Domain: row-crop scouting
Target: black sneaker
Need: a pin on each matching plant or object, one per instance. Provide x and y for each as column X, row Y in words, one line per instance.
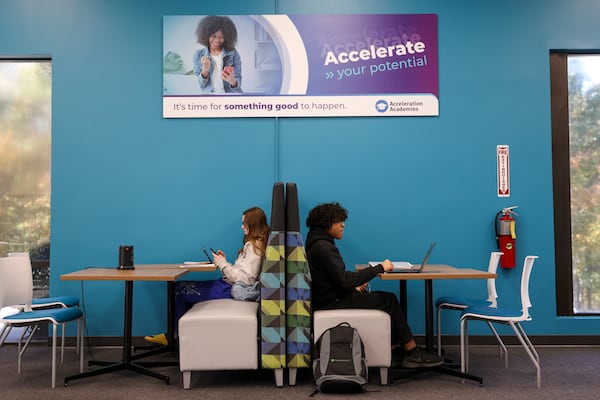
column 421, row 359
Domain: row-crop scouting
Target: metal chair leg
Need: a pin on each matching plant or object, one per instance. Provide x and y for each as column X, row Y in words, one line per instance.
column 54, row 332
column 439, row 333
column 80, row 330
column 22, row 347
column 62, row 343
column 501, row 346
column 533, row 355
column 463, row 347
column 4, row 333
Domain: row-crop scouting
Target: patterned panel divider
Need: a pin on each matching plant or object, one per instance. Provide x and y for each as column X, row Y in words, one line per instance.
column 298, row 281
column 272, row 279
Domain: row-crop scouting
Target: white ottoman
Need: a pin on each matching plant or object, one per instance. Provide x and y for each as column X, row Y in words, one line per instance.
column 218, row 335
column 374, row 328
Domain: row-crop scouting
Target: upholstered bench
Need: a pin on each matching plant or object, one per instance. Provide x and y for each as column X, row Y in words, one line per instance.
column 218, row 335
column 373, row 327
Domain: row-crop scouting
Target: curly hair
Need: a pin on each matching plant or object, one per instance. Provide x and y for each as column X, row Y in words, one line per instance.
column 214, row 23
column 258, row 229
column 325, row 215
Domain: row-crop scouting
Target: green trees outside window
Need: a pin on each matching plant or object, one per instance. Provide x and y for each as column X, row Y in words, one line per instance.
column 25, row 150
column 584, row 159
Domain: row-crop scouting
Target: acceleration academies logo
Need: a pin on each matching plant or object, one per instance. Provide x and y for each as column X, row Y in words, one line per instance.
column 382, row 106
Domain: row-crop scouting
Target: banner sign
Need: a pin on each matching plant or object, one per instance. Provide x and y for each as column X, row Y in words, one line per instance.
column 300, row 66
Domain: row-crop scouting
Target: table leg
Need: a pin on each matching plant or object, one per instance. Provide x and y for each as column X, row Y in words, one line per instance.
column 429, row 315
column 428, row 309
column 170, row 313
column 126, row 362
column 403, row 298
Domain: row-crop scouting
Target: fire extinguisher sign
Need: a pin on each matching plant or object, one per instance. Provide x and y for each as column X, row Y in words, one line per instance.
column 502, row 157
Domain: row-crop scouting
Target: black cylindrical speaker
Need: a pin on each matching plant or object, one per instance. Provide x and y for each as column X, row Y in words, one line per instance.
column 125, row 257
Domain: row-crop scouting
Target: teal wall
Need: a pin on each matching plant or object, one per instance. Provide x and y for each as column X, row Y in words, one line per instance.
column 121, row 174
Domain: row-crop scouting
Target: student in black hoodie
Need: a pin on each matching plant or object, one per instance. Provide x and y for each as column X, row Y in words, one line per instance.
column 334, row 287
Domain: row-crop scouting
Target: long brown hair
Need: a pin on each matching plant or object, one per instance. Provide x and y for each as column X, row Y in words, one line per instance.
column 258, row 229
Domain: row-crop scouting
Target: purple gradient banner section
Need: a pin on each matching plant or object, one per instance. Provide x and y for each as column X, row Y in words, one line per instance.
column 370, row 54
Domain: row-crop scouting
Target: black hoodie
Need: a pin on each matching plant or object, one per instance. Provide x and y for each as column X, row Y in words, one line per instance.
column 330, row 280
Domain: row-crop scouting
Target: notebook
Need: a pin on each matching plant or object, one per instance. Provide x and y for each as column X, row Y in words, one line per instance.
column 404, row 267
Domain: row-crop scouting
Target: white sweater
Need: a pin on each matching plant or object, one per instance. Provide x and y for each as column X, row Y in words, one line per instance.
column 246, row 268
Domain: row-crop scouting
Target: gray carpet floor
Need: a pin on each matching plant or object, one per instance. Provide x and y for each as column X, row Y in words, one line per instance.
column 567, row 373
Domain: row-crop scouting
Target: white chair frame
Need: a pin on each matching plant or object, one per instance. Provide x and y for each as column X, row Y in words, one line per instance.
column 41, row 304
column 506, row 316
column 16, row 287
column 459, row 304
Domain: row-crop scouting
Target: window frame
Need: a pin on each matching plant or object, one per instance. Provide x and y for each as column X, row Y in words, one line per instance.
column 561, row 179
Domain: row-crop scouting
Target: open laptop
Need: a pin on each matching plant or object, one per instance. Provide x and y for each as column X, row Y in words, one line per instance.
column 405, row 267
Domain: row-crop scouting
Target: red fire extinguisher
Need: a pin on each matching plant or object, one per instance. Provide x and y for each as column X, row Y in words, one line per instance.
column 506, row 236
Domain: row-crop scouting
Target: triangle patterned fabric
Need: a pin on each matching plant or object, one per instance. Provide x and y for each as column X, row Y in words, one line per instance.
column 298, row 281
column 272, row 282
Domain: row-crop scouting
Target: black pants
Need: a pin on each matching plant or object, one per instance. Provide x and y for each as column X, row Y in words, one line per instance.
column 377, row 300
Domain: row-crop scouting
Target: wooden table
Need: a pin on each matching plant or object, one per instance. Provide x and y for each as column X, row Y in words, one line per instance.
column 430, row 273
column 143, row 272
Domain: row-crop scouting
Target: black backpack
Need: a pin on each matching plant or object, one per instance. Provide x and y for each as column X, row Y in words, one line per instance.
column 339, row 364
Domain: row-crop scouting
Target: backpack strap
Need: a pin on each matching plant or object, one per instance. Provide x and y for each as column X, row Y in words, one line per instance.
column 344, row 323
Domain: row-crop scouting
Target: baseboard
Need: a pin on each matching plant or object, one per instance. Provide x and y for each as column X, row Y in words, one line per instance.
column 105, row 341
column 474, row 340
column 509, row 340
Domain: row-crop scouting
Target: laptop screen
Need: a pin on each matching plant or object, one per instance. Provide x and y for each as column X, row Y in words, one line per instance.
column 417, row 268
column 426, row 258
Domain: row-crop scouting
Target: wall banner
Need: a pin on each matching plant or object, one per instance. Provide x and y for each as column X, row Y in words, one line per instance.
column 382, row 65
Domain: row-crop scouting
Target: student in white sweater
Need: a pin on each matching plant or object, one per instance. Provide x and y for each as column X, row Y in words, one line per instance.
column 240, row 279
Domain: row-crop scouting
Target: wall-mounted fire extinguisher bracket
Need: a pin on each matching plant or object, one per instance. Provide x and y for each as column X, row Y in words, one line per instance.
column 506, row 236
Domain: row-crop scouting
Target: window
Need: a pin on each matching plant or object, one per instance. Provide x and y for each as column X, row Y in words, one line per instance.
column 575, row 95
column 25, row 139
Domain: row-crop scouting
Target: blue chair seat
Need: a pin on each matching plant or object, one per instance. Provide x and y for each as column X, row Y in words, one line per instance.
column 492, row 312
column 51, row 315
column 461, row 302
column 59, row 301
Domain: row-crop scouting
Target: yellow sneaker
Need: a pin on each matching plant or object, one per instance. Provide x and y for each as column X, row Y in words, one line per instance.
column 158, row 339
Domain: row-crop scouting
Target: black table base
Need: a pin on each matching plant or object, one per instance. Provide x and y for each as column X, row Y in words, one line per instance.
column 429, row 337
column 400, row 373
column 127, row 361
